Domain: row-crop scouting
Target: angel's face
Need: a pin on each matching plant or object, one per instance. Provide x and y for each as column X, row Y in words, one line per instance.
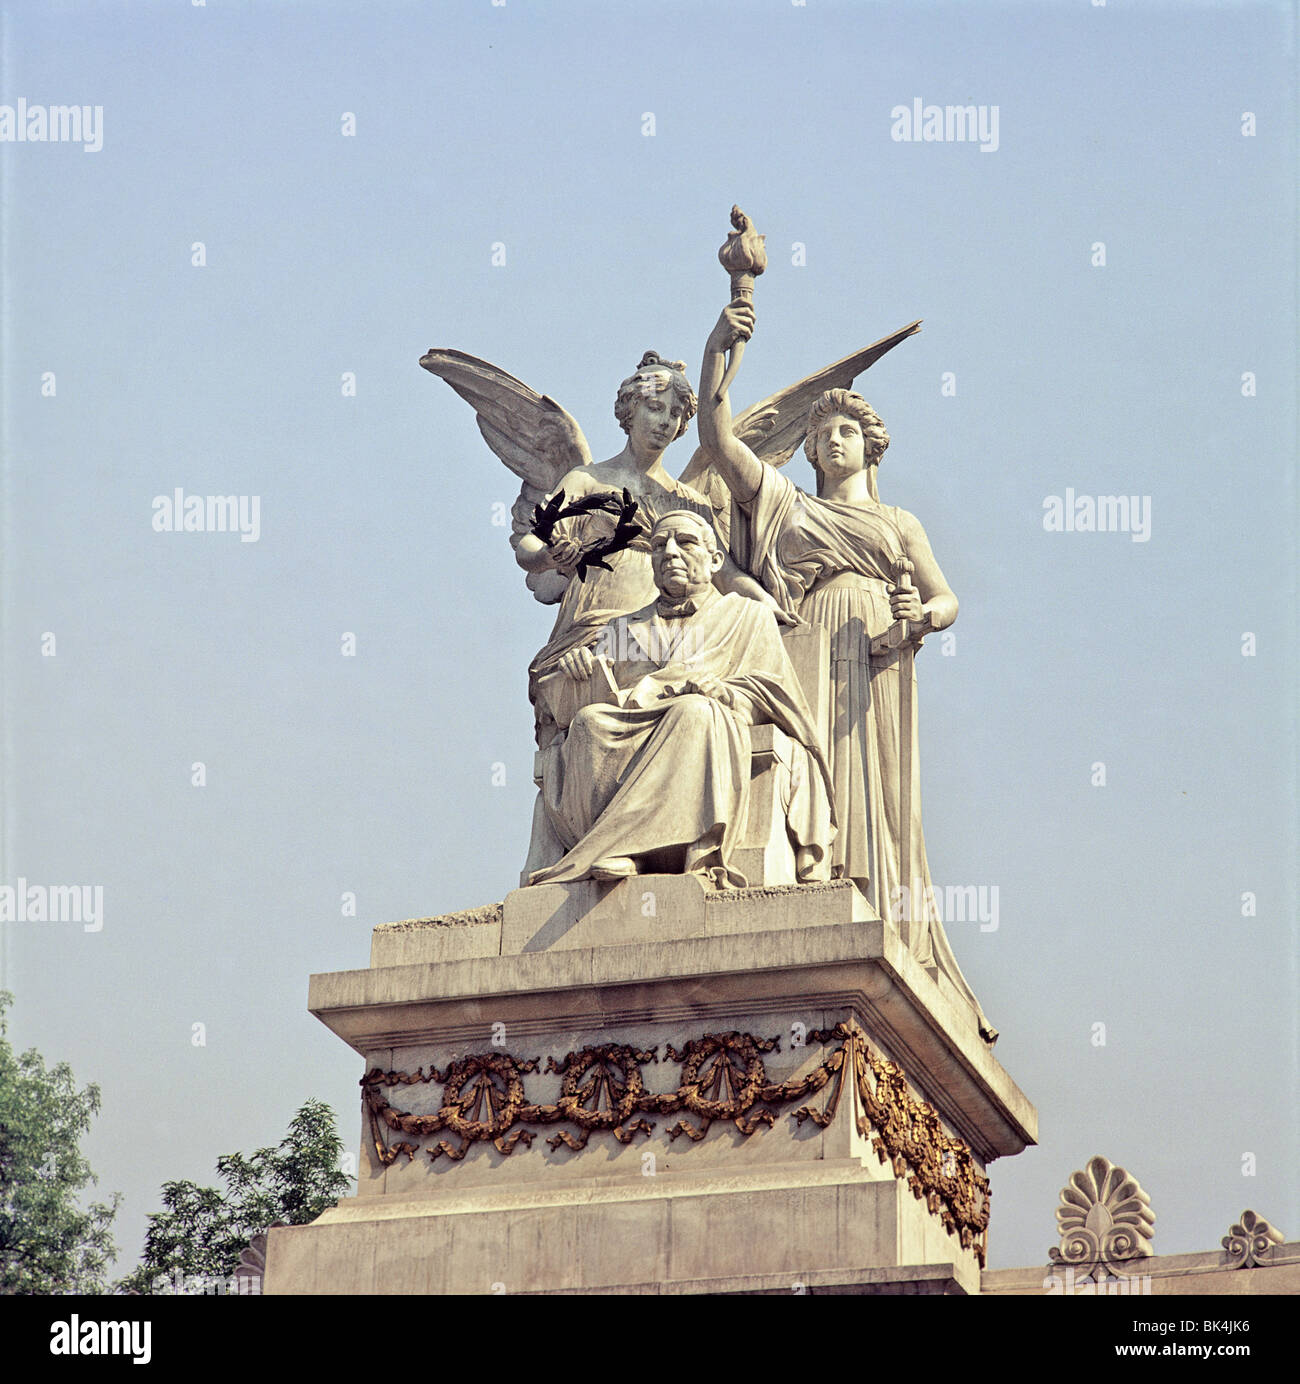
column 656, row 420
column 841, row 449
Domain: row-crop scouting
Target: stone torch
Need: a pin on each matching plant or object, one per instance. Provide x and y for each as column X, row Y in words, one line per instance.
column 744, row 258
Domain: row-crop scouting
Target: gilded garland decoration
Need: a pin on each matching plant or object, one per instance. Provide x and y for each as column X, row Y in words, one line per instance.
column 722, row 1078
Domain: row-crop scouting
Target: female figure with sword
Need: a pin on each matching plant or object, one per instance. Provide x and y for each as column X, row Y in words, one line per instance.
column 843, row 560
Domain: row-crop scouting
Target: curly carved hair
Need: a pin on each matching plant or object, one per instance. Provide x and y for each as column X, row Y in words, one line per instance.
column 653, row 376
column 874, row 437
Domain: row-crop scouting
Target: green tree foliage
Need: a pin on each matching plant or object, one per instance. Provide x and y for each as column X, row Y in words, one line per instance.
column 49, row 1243
column 194, row 1245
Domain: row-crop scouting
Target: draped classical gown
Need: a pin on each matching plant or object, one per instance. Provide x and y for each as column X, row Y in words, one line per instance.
column 832, row 562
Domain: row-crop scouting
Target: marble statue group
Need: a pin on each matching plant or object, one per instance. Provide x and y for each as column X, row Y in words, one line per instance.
column 676, row 600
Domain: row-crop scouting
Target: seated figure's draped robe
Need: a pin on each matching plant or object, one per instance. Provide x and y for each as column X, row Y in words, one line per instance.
column 832, row 563
column 667, row 777
column 585, row 609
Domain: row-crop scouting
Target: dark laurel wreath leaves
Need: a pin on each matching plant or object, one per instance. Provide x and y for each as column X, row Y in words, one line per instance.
column 626, row 530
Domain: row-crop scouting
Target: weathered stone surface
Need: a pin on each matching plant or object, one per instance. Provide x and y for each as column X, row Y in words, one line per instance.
column 451, row 937
column 551, row 917
column 684, row 1233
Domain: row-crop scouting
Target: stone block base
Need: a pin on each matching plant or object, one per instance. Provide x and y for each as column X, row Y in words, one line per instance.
column 750, row 1091
column 785, row 1229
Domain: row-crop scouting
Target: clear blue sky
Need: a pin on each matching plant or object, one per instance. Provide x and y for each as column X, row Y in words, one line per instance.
column 522, row 124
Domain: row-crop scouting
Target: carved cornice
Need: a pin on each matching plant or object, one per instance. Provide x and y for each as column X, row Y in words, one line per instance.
column 721, row 1078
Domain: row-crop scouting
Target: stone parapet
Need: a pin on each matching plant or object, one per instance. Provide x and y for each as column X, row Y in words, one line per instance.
column 1160, row 1275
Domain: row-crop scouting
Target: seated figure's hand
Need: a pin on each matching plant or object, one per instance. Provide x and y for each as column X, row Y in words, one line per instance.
column 577, row 664
column 708, row 686
column 905, row 602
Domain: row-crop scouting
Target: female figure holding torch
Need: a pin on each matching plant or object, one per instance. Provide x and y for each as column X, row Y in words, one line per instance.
column 841, row 559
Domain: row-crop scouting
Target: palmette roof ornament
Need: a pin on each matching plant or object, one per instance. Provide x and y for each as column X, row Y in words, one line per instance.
column 1250, row 1242
column 1105, row 1219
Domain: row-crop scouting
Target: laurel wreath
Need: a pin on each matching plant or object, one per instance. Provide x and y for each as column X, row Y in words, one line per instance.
column 626, row 529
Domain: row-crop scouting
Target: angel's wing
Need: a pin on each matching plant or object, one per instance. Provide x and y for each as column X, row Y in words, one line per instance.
column 537, row 439
column 774, row 427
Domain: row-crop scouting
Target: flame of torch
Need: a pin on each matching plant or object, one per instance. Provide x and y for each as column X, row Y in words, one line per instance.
column 744, row 258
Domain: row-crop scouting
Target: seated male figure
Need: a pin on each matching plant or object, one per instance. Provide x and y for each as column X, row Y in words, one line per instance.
column 656, row 776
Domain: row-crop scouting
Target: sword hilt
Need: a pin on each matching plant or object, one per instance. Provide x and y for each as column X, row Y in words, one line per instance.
column 902, row 632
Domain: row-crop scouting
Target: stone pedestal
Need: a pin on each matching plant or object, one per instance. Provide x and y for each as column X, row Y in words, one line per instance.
column 648, row 1086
